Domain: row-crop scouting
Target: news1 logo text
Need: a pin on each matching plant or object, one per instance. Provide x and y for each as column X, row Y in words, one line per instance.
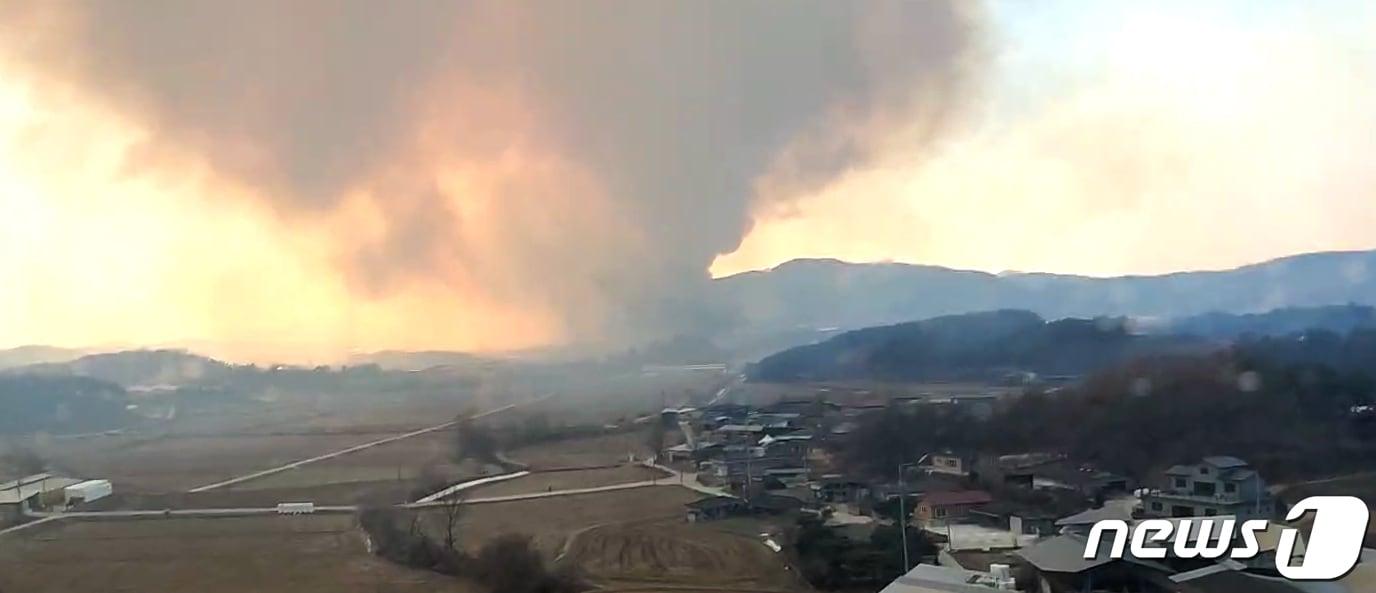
column 1331, row 551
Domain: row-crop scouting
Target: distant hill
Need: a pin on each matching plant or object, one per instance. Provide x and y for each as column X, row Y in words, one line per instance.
column 675, row 350
column 405, row 360
column 1352, row 353
column 974, row 345
column 36, row 354
column 1340, row 319
column 828, row 293
column 137, row 368
column 60, row 404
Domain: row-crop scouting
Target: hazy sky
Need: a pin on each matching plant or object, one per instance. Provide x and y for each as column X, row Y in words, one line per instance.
column 1121, row 138
column 264, row 180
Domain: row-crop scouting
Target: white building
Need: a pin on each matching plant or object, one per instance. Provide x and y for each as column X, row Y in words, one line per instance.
column 29, row 491
column 1215, row 486
column 88, row 491
column 930, row 578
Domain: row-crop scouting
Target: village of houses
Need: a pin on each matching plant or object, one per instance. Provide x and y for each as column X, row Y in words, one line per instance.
column 1015, row 522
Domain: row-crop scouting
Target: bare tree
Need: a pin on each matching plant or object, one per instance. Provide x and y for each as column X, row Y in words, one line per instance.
column 453, row 511
column 654, row 439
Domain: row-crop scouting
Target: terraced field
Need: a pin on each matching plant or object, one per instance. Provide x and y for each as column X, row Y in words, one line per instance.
column 669, row 554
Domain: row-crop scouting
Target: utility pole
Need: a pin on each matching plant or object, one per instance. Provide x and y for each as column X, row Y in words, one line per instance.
column 903, row 516
column 748, row 477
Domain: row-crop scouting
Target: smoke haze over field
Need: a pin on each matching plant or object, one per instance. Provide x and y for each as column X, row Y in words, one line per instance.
column 571, row 167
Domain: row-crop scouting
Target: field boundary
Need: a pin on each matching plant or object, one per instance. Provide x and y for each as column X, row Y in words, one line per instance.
column 354, row 449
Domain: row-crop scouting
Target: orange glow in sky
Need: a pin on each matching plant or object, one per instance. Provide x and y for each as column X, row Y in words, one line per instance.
column 95, row 255
column 1120, row 141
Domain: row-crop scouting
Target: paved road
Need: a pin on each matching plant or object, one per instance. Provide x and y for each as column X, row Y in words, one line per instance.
column 392, row 439
column 687, row 480
column 726, row 390
column 552, row 493
column 460, row 487
column 28, row 525
column 220, row 512
column 235, row 511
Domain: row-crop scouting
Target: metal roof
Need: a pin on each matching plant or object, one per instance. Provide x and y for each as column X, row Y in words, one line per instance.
column 957, row 497
column 1091, row 516
column 769, row 439
column 24, row 480
column 1239, row 474
column 28, row 490
column 714, row 502
column 1225, row 461
column 927, row 578
column 1231, row 581
column 741, row 428
column 89, row 483
column 1063, row 553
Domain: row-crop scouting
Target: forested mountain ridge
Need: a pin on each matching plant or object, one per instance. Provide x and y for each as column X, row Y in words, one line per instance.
column 970, row 346
column 825, row 293
column 60, row 404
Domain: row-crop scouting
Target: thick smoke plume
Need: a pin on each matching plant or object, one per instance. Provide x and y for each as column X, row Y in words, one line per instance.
column 583, row 158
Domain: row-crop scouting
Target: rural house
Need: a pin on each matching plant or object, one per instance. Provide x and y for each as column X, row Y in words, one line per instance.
column 839, row 488
column 1215, row 486
column 949, row 463
column 930, row 578
column 937, row 508
column 791, row 448
column 716, row 507
column 1061, row 567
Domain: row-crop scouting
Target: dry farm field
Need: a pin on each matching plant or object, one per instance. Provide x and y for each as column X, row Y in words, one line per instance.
column 269, row 554
column 679, row 554
column 404, row 460
column 550, row 521
column 622, row 538
column 179, row 463
column 632, row 538
column 607, row 449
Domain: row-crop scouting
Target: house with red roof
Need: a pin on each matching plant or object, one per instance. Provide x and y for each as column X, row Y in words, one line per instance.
column 937, row 508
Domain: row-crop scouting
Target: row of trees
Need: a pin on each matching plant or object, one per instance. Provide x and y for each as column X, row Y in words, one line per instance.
column 484, row 443
column 830, row 560
column 1291, row 420
column 61, row 404
column 507, row 564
